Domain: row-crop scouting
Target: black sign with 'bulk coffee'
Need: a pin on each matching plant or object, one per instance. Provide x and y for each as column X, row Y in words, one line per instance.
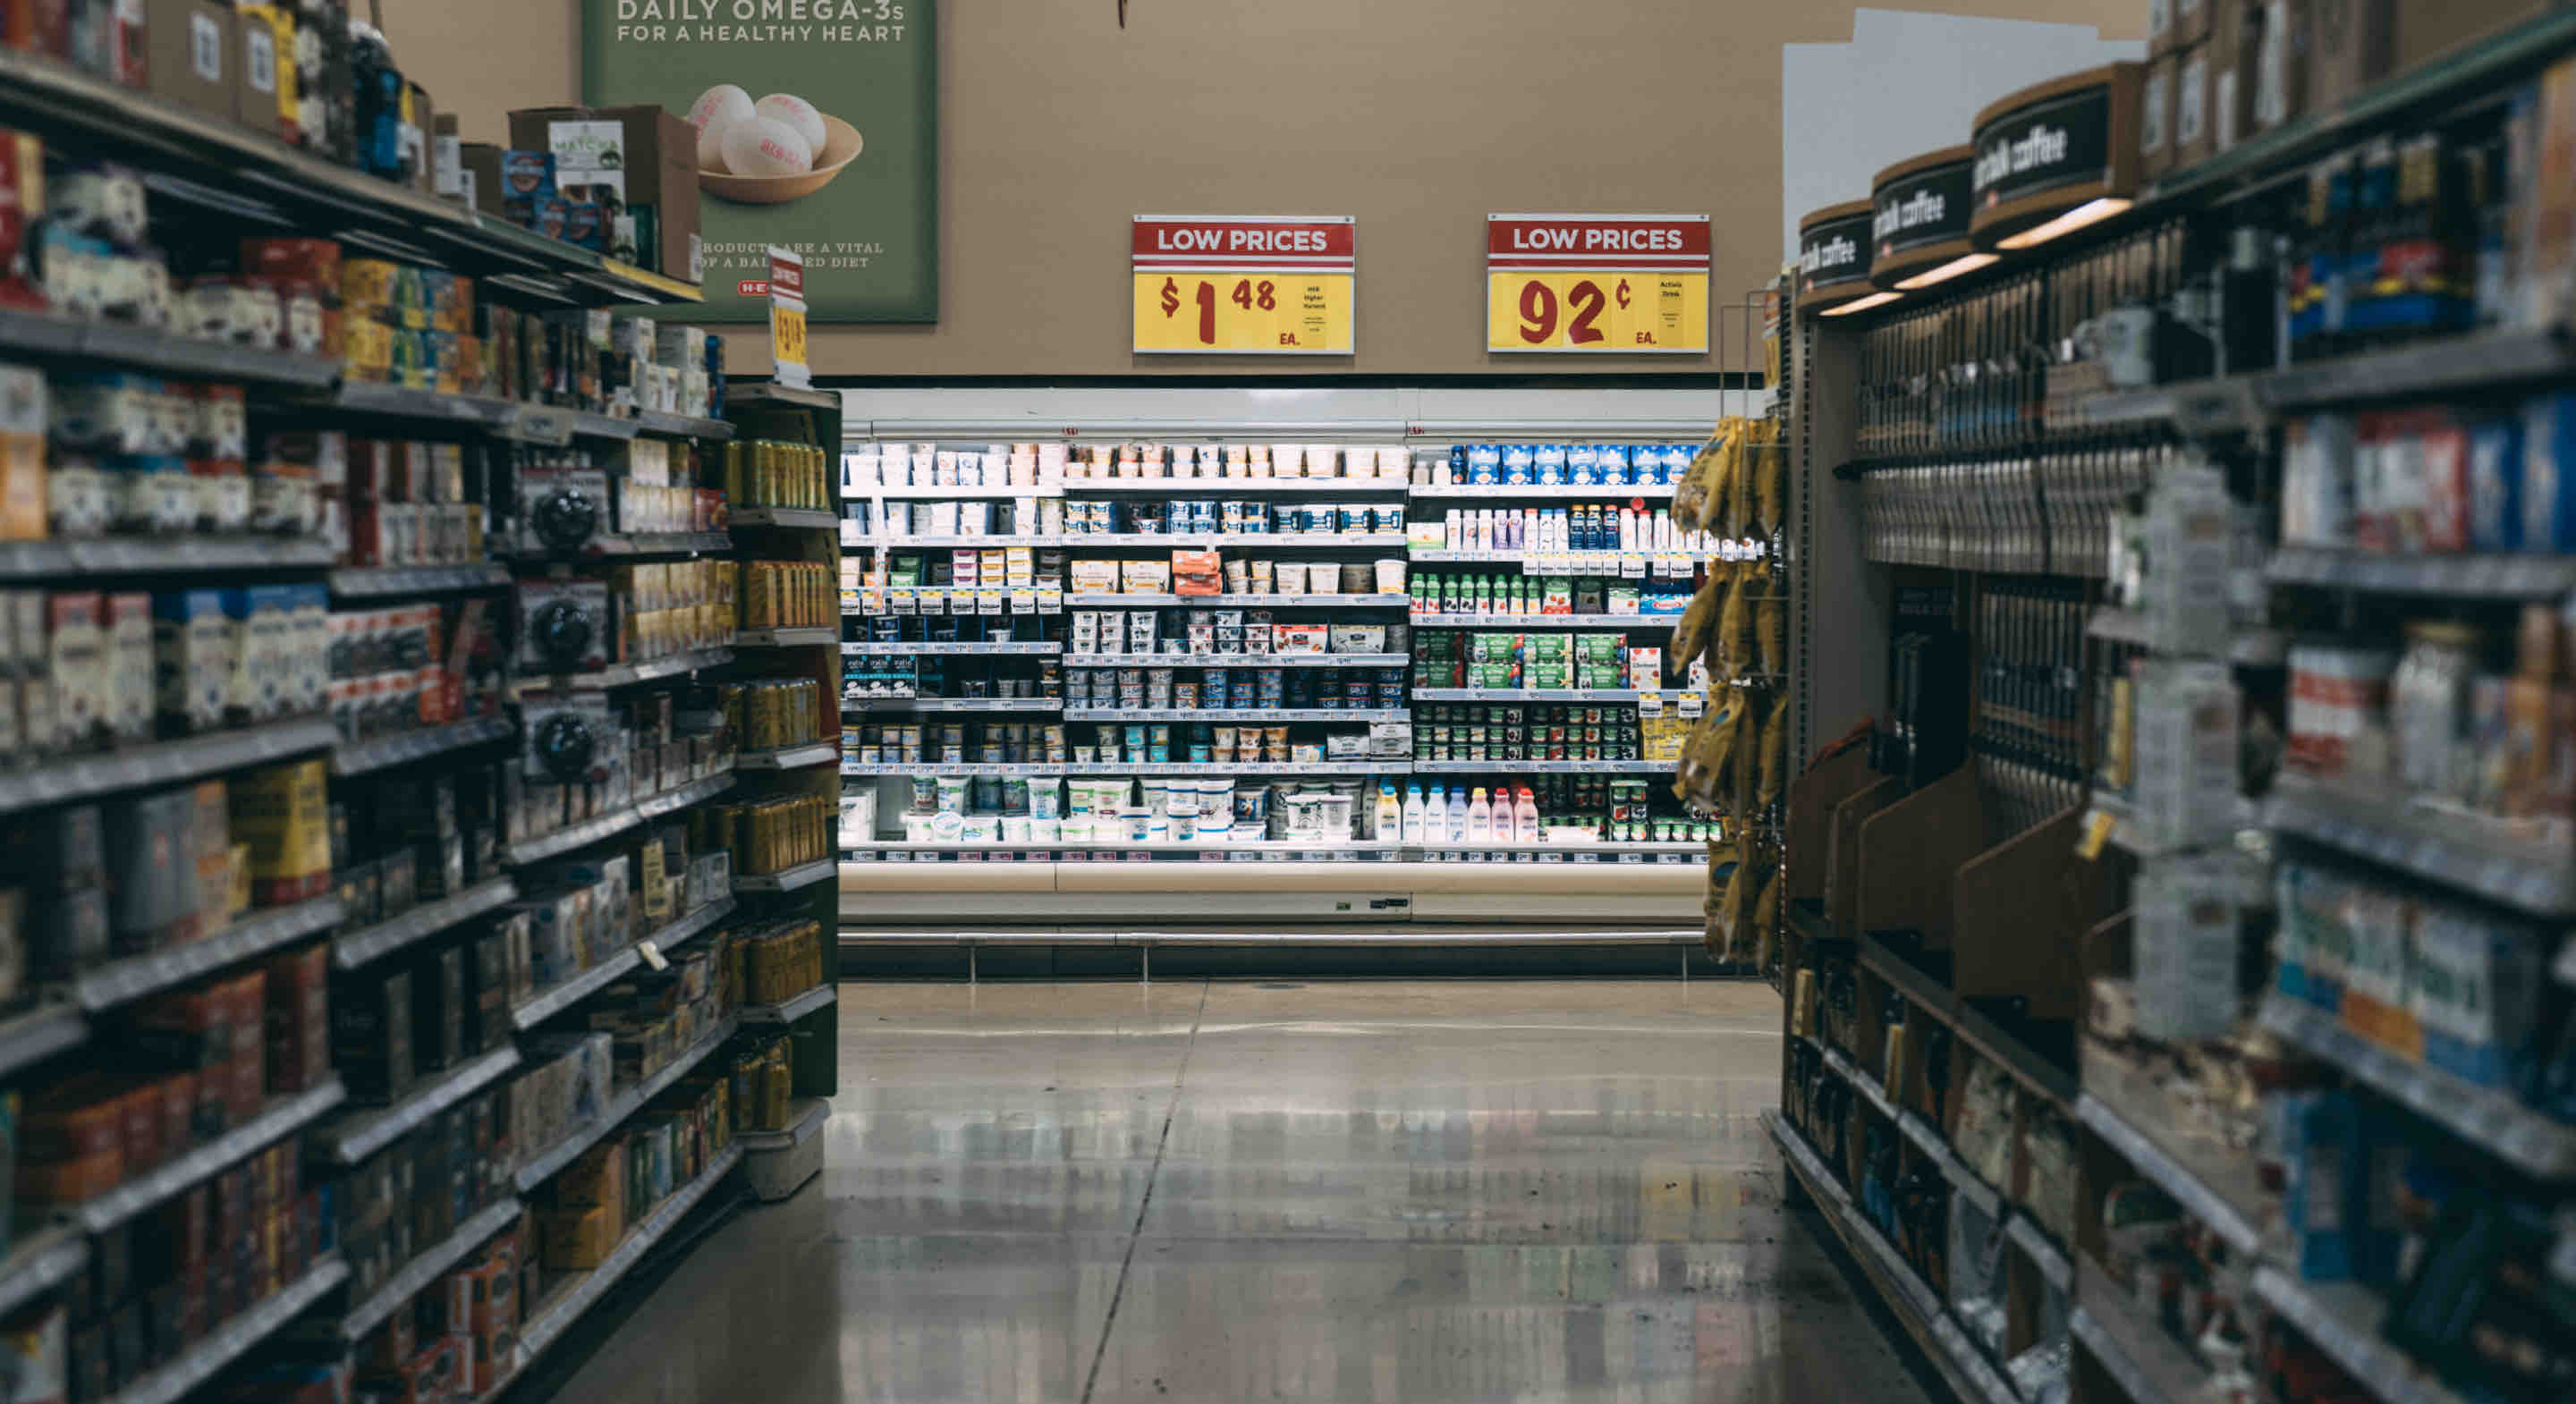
column 2058, row 142
column 1834, row 253
column 1922, row 208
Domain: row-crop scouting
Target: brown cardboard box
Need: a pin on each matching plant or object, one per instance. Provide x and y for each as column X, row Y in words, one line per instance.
column 2155, row 118
column 2193, row 137
column 2280, row 62
column 482, row 172
column 193, row 48
column 264, row 100
column 2234, row 37
column 2351, row 45
column 661, row 156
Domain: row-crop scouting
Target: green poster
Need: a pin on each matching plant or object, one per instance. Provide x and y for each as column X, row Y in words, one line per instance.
column 818, row 130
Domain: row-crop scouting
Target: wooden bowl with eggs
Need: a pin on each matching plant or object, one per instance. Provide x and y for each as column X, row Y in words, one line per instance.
column 770, row 154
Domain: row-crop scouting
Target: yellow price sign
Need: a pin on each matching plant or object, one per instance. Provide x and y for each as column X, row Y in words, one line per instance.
column 1268, row 313
column 787, row 336
column 1598, row 284
column 1231, row 285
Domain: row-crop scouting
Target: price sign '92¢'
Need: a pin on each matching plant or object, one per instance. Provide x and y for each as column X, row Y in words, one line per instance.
column 1234, row 286
column 1596, row 283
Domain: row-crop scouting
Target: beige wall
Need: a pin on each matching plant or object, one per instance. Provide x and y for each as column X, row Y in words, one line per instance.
column 1418, row 117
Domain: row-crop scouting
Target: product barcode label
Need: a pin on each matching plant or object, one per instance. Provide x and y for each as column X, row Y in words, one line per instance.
column 206, row 48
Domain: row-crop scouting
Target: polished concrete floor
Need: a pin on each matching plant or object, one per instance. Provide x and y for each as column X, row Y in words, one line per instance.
column 1383, row 1191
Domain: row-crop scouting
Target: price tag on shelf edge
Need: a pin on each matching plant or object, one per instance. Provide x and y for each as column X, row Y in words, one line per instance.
column 1244, row 286
column 787, row 318
column 1592, row 284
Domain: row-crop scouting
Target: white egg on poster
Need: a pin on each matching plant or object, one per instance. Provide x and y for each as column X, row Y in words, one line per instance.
column 764, row 147
column 796, row 112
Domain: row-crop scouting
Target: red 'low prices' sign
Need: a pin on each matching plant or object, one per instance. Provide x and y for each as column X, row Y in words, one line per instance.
column 1230, row 285
column 1596, row 283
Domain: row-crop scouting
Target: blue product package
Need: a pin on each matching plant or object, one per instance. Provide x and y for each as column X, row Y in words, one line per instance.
column 1589, row 473
column 2320, row 1137
column 1457, row 463
column 1520, row 464
column 1613, row 459
column 1677, row 462
column 1485, row 465
column 2495, row 484
column 2549, row 473
column 1558, row 463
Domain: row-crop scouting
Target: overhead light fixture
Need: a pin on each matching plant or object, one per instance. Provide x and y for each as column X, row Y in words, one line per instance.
column 1863, row 304
column 2090, row 212
column 1964, row 263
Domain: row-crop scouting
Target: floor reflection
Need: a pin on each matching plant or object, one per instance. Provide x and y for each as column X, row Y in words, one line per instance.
column 1415, row 1191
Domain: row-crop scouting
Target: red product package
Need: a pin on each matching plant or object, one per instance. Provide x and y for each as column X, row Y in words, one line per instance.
column 2445, row 450
column 299, row 1019
column 37, row 26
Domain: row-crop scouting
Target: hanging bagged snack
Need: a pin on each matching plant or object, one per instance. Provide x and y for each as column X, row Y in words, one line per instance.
column 1774, row 757
column 1766, row 917
column 1770, row 614
column 1698, row 621
column 1768, row 467
column 1701, row 777
column 1734, row 619
column 1690, row 500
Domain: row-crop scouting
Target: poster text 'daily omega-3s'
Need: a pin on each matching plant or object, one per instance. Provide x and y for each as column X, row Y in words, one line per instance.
column 817, row 130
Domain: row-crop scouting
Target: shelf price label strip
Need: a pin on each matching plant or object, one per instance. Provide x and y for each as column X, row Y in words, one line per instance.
column 1594, row 284
column 1236, row 286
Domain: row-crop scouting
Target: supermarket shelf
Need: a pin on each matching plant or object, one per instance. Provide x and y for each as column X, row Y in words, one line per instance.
column 2119, row 1352
column 162, row 763
column 659, row 543
column 1545, row 621
column 792, row 1010
column 1554, row 492
column 405, row 402
column 1185, row 540
column 949, row 543
column 2531, row 1141
column 1237, row 660
column 121, row 981
column 928, row 649
column 685, row 929
column 2040, row 1074
column 1213, row 769
column 952, row 768
column 1346, row 851
column 573, row 423
column 405, row 582
column 2343, row 1318
column 1236, row 714
column 1912, row 1301
column 952, row 704
column 361, row 1134
column 1306, row 601
column 39, row 1263
column 685, row 426
column 1526, row 694
column 2188, row 1190
column 36, row 1035
column 629, row 674
column 51, row 561
column 800, row 518
column 564, row 994
column 550, row 1317
column 546, row 1165
column 2052, row 1262
column 228, row 1342
column 1533, row 767
column 590, row 831
column 1301, row 540
column 802, row 875
column 360, row 757
column 2482, row 577
column 1401, row 938
column 1234, row 486
column 1922, row 1133
column 919, row 492
column 813, row 636
column 1579, row 852
column 42, row 334
column 1595, row 562
column 809, row 1122
column 2462, row 850
column 791, row 758
column 2424, row 371
column 284, row 1117
column 427, row 1267
column 351, row 949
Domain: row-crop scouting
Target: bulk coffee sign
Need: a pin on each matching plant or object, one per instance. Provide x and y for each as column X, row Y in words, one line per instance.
column 2052, row 150
column 1919, row 211
column 1834, row 248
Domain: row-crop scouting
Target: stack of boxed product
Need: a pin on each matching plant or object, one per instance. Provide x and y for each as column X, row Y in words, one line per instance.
column 621, row 182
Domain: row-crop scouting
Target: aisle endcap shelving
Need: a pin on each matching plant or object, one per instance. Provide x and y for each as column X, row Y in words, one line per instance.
column 360, row 1134
column 803, row 875
column 2467, row 851
column 406, row 582
column 789, row 758
column 546, row 1164
column 359, row 757
column 162, row 763
column 549, row 1318
column 351, row 949
column 203, row 1357
column 39, row 1262
column 36, row 1034
column 284, row 1116
column 809, row 1115
column 521, row 853
column 789, row 1011
column 426, row 1267
column 44, row 561
column 813, row 636
column 2530, row 1140
column 254, row 933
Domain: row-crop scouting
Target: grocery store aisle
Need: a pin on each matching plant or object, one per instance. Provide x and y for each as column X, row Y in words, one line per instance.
column 1413, row 1191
